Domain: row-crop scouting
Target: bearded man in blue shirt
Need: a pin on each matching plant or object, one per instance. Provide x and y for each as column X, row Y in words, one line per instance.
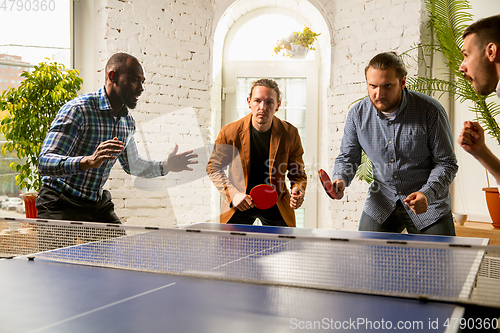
column 408, row 138
column 88, row 135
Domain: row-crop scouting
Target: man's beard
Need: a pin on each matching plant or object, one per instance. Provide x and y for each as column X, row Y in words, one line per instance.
column 486, row 83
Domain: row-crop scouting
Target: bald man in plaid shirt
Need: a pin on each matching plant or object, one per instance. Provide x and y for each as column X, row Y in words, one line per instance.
column 88, row 135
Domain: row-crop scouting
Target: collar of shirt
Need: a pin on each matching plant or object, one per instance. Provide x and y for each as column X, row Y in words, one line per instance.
column 390, row 115
column 498, row 89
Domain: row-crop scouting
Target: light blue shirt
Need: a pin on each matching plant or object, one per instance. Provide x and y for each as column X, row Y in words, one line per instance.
column 412, row 152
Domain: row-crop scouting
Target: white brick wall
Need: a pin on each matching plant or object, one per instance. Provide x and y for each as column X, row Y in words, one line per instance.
column 173, row 40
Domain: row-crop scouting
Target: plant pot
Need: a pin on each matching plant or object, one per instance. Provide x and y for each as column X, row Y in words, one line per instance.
column 29, row 204
column 493, row 202
column 298, row 51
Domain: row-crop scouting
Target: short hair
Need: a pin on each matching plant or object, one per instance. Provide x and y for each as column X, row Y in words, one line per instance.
column 268, row 83
column 388, row 60
column 118, row 62
column 486, row 29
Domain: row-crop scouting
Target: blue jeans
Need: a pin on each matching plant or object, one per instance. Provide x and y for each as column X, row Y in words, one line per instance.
column 399, row 220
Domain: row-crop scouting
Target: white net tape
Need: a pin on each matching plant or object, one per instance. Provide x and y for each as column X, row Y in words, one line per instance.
column 427, row 270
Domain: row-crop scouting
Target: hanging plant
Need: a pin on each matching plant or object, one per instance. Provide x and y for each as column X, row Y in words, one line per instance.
column 303, row 39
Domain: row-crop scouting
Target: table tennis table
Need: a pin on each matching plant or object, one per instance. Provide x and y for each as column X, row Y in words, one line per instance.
column 44, row 295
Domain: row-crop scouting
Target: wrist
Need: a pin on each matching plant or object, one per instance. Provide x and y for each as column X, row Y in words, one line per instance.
column 163, row 168
column 84, row 164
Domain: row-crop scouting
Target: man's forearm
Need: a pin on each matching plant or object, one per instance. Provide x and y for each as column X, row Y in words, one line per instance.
column 58, row 166
column 490, row 162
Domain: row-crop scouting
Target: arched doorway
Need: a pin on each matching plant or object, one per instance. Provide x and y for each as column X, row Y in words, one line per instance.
column 243, row 52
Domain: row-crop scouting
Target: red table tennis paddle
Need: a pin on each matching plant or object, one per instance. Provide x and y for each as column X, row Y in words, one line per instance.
column 264, row 196
column 327, row 184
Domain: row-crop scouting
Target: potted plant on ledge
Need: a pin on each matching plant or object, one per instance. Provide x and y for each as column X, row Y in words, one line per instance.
column 297, row 44
column 30, row 110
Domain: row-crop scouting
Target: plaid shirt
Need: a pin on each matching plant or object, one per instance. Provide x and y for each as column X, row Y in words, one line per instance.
column 413, row 152
column 78, row 128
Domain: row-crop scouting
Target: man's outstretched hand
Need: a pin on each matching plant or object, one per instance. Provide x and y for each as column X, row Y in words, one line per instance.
column 179, row 162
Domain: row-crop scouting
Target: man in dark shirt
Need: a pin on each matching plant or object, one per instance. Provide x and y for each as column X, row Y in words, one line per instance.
column 259, row 149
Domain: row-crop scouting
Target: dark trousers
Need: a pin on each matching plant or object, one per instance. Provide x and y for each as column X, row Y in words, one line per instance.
column 271, row 217
column 399, row 220
column 54, row 205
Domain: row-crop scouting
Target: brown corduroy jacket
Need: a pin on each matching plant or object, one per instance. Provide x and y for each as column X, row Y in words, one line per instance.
column 232, row 150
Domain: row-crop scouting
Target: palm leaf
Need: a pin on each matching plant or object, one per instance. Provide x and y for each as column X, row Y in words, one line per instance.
column 431, row 86
column 448, row 19
column 365, row 169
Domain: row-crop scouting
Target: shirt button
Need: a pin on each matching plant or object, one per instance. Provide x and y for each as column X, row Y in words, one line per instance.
column 392, row 206
column 392, row 160
column 390, row 122
column 390, row 141
column 399, row 192
column 395, row 177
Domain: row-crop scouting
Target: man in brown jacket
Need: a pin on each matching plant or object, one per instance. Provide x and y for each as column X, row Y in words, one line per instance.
column 259, row 149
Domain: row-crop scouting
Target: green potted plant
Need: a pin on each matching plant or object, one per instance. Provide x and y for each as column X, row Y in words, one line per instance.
column 30, row 110
column 297, row 44
column 448, row 20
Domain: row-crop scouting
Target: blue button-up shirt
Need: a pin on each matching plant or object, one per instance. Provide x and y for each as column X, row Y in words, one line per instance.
column 78, row 128
column 413, row 152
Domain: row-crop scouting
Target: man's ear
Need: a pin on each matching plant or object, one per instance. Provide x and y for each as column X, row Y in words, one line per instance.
column 112, row 76
column 403, row 82
column 492, row 52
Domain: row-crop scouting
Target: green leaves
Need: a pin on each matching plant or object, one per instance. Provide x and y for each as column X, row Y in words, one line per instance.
column 31, row 108
column 448, row 19
column 365, row 169
column 303, row 38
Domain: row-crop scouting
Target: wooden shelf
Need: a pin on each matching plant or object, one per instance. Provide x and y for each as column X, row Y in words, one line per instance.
column 479, row 230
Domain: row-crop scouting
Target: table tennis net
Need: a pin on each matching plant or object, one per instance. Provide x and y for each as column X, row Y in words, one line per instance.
column 424, row 270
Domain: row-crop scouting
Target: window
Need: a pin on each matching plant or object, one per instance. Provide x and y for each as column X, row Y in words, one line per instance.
column 30, row 34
